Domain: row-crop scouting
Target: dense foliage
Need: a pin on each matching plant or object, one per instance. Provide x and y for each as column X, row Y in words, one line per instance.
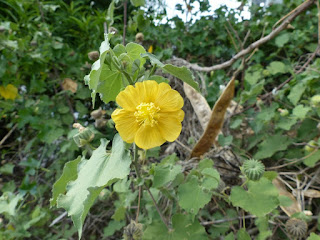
column 50, row 76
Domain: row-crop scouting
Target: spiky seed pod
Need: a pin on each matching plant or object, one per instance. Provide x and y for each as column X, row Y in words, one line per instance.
column 133, row 231
column 139, row 37
column 253, row 169
column 93, row 56
column 296, row 228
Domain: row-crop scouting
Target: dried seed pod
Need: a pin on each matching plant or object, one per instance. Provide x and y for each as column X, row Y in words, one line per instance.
column 296, row 227
column 253, row 169
column 96, row 114
column 94, row 55
column 139, row 37
column 133, row 231
column 83, row 137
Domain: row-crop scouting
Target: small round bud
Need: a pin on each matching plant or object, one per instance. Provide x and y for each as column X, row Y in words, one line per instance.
column 113, row 30
column 139, row 37
column 133, row 231
column 283, row 112
column 265, row 73
column 253, row 169
column 296, row 228
column 100, row 123
column 310, row 147
column 315, row 101
column 93, row 56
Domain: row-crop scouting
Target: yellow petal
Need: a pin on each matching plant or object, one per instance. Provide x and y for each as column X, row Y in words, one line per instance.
column 148, row 90
column 9, row 92
column 170, row 101
column 129, row 98
column 148, row 137
column 169, row 124
column 150, row 49
column 126, row 124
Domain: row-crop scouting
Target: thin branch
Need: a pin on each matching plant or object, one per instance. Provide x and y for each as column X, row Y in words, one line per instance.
column 8, row 134
column 303, row 7
column 125, row 6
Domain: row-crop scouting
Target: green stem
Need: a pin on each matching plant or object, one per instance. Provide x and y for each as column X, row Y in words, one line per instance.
column 153, row 70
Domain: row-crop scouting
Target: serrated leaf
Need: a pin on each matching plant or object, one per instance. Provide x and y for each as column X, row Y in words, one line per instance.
column 8, row 203
column 296, row 92
column 192, row 197
column 182, row 73
column 286, row 123
column 94, row 174
column 260, row 199
column 110, row 84
column 211, row 178
column 165, row 174
column 183, row 228
column 69, row 174
column 282, row 40
column 134, row 52
column 300, row 111
column 272, row 145
column 277, row 67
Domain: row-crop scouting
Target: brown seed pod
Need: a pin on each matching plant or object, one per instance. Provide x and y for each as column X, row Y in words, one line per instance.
column 94, row 55
column 296, row 227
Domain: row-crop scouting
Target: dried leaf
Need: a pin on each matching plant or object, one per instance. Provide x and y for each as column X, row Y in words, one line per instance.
column 69, row 84
column 311, row 193
column 294, row 207
column 199, row 104
column 216, row 121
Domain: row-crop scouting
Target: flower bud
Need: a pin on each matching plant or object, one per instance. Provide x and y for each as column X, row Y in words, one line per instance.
column 315, row 101
column 283, row 112
column 310, row 147
column 96, row 114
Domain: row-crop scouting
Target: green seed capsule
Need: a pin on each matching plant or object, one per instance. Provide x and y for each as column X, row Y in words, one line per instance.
column 296, row 228
column 253, row 169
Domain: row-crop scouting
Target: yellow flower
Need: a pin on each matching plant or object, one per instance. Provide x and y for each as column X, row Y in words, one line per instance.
column 150, row 49
column 9, row 92
column 151, row 114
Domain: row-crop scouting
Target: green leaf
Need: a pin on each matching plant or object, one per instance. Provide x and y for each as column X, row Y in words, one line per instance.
column 296, row 92
column 110, row 84
column 110, row 12
column 243, row 235
column 135, row 51
column 7, row 169
column 137, row 3
column 313, row 236
column 94, row 77
column 286, row 123
column 182, row 73
column 277, row 67
column 191, row 196
column 183, row 229
column 69, row 174
column 260, row 199
column 94, row 174
column 263, row 226
column 313, row 159
column 282, row 40
column 300, row 111
column 211, row 178
column 112, row 227
column 165, row 174
column 225, row 141
column 272, row 145
column 9, row 202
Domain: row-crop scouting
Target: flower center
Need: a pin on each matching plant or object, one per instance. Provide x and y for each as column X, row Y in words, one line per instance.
column 147, row 114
